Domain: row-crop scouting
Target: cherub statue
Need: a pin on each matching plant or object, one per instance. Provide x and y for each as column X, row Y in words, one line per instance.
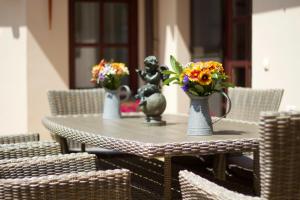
column 153, row 103
column 152, row 76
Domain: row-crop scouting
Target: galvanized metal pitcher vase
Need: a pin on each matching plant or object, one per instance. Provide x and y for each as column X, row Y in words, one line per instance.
column 111, row 108
column 199, row 122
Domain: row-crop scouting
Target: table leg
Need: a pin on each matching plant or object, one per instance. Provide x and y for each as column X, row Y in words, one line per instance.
column 167, row 178
column 256, row 172
column 220, row 166
column 82, row 147
column 63, row 143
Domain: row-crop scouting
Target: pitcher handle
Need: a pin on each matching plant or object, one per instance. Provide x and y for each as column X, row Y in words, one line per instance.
column 228, row 106
column 125, row 91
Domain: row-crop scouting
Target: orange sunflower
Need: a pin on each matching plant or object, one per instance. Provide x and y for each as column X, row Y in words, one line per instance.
column 204, row 77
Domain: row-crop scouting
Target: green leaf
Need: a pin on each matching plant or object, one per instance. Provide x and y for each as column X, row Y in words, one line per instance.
column 177, row 67
column 215, row 76
column 192, row 91
column 218, row 87
column 168, row 72
column 169, row 80
column 227, row 84
column 199, row 88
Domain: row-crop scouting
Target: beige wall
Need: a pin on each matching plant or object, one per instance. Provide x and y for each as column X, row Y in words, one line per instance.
column 13, row 83
column 47, row 57
column 33, row 60
column 173, row 33
column 276, row 48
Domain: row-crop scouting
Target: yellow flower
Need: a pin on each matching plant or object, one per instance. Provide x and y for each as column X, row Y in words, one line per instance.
column 201, row 65
column 204, row 77
column 95, row 72
column 119, row 68
column 194, row 73
column 214, row 66
column 181, row 77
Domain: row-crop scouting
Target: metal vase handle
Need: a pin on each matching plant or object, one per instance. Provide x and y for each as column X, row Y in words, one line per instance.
column 228, row 106
column 124, row 92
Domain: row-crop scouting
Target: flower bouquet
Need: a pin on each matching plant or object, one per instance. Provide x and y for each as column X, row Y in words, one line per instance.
column 108, row 75
column 199, row 80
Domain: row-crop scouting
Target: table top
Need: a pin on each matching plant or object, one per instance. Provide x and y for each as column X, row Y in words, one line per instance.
column 131, row 133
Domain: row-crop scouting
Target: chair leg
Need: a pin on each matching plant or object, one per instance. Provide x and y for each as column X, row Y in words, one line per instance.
column 63, row 143
column 256, row 172
column 219, row 166
column 167, row 178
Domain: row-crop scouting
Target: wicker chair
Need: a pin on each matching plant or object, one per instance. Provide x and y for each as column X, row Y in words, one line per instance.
column 247, row 103
column 61, row 177
column 279, row 163
column 71, row 102
column 17, row 138
column 29, row 149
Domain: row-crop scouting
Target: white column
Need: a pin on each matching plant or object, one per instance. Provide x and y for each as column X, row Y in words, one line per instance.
column 174, row 35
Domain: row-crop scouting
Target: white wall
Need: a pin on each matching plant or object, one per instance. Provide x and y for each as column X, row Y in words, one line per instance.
column 13, row 82
column 174, row 33
column 276, row 46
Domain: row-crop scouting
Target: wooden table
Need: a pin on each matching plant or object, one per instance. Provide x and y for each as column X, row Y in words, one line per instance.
column 131, row 135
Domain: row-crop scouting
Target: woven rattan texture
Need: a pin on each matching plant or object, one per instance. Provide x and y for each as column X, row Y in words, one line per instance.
column 70, row 102
column 29, row 149
column 279, row 163
column 151, row 150
column 247, row 103
column 48, row 165
column 104, row 185
column 18, row 138
column 279, row 156
column 194, row 187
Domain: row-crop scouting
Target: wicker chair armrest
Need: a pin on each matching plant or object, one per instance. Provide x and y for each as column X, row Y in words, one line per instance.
column 29, row 149
column 110, row 184
column 47, row 165
column 195, row 187
column 18, row 138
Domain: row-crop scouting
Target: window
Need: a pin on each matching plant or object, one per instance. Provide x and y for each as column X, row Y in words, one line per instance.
column 102, row 29
column 207, row 29
column 221, row 30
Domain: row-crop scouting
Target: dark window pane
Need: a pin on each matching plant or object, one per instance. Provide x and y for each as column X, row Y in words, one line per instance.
column 241, row 7
column 115, row 23
column 239, row 41
column 118, row 55
column 207, row 28
column 85, row 59
column 239, row 76
column 87, row 22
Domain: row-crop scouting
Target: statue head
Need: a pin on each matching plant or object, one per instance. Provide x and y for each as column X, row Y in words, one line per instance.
column 151, row 63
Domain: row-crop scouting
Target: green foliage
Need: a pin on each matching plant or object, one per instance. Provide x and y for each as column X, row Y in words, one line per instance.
column 177, row 67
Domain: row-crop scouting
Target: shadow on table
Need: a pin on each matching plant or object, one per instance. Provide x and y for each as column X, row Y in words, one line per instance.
column 229, row 132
